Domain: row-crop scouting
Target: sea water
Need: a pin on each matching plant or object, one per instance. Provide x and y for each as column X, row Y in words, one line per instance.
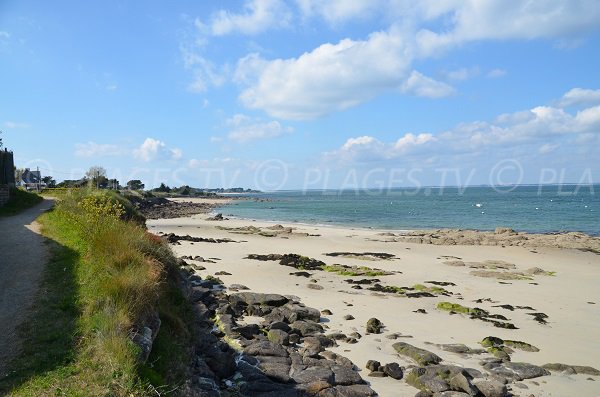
column 538, row 209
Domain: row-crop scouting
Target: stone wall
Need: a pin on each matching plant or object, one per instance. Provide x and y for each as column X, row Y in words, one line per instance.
column 4, row 194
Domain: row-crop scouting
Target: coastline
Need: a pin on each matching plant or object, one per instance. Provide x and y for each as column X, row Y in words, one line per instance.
column 560, row 283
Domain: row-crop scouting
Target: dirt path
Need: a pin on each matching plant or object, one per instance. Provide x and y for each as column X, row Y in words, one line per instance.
column 23, row 256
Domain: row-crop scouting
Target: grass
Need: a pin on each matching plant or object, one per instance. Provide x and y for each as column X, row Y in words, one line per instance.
column 106, row 275
column 19, row 201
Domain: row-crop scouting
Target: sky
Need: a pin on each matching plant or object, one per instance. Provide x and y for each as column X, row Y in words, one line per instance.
column 304, row 94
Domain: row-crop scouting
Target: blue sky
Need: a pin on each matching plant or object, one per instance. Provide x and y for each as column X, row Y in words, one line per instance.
column 304, row 93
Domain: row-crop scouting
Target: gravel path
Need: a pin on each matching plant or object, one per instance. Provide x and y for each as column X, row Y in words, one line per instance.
column 23, row 256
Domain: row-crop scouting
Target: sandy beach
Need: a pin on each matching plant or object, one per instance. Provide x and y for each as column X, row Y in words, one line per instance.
column 560, row 283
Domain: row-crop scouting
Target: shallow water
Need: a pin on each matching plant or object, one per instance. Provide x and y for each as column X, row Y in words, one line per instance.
column 539, row 209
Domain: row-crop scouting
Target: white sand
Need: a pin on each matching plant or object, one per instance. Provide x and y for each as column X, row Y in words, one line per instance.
column 570, row 337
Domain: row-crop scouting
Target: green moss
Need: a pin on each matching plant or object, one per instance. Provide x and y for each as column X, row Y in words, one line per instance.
column 521, row 345
column 455, row 307
column 499, row 352
column 413, row 379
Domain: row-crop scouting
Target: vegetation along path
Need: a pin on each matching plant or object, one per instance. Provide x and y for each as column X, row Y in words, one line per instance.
column 23, row 255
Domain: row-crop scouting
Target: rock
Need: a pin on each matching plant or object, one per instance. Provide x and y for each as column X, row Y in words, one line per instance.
column 280, row 325
column 345, row 376
column 301, row 274
column 516, row 371
column 268, row 257
column 420, row 356
column 451, row 394
column 326, row 312
column 313, row 374
column 573, row 369
column 441, row 378
column 276, row 368
column 294, row 338
column 265, row 348
column 254, row 298
column 278, row 336
column 315, row 287
column 238, row 287
column 377, row 374
column 491, row 388
column 373, row 365
column 306, row 327
column 374, row 326
column 301, row 262
column 248, row 331
column 218, row 217
column 393, row 370
column 348, row 391
column 348, row 317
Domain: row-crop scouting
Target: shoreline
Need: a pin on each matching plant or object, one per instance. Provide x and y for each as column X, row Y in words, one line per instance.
column 559, row 283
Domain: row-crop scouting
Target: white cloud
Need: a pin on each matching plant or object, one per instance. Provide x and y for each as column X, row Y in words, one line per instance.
column 15, row 125
column 245, row 129
column 542, row 128
column 153, row 149
column 4, row 35
column 578, row 96
column 510, row 19
column 94, row 149
column 258, row 16
column 336, row 11
column 411, row 140
column 333, row 77
column 205, row 73
column 420, row 85
column 111, row 87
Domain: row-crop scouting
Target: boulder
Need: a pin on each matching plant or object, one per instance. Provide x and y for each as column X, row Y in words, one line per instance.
column 306, row 328
column 515, row 371
column 278, row 336
column 491, row 388
column 254, row 298
column 393, row 370
column 420, row 356
column 374, row 326
column 265, row 348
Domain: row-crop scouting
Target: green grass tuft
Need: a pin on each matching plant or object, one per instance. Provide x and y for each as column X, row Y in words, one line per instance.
column 105, row 275
column 19, row 201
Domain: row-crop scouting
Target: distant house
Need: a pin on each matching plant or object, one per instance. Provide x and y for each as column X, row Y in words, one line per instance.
column 31, row 180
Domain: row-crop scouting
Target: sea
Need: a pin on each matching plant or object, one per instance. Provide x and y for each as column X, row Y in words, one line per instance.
column 535, row 209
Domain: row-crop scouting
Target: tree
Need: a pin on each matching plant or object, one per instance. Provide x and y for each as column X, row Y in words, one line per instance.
column 49, row 181
column 97, row 177
column 19, row 175
column 135, row 184
column 1, row 139
column 95, row 172
column 163, row 188
column 113, row 184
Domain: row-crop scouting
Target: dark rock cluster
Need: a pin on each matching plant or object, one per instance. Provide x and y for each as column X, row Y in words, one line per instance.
column 283, row 355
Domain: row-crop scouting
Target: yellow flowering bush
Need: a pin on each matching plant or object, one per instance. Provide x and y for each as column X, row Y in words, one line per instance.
column 101, row 206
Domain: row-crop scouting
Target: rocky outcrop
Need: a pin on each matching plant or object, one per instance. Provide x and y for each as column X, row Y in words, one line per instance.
column 285, row 355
